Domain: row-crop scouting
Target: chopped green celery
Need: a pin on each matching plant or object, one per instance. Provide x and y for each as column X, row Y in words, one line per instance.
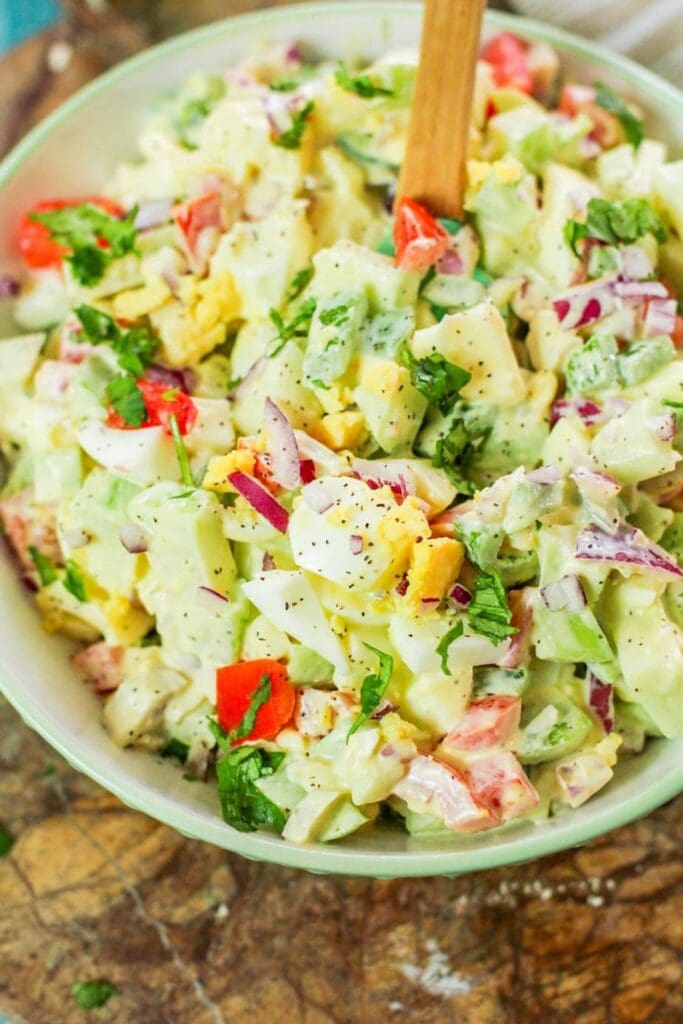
column 594, row 367
column 634, row 724
column 552, row 731
column 453, row 291
column 426, row 825
column 672, row 538
column 643, row 358
column 516, row 567
column 673, row 603
column 385, row 333
column 500, row 681
column 603, row 260
column 334, row 336
column 307, row 666
column 482, row 540
column 569, row 636
column 652, row 519
column 344, row 819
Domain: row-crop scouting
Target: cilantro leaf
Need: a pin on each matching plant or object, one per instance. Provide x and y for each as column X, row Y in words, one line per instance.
column 127, row 400
column 291, row 138
column 456, row 448
column 632, row 125
column 134, row 347
column 176, row 748
column 259, row 697
column 82, row 229
column 6, row 841
column 616, row 222
column 299, row 282
column 488, row 611
column 73, row 581
column 361, row 85
column 46, row 571
column 91, row 994
column 373, row 689
column 438, row 379
column 445, row 642
column 243, row 804
column 296, row 328
column 180, row 450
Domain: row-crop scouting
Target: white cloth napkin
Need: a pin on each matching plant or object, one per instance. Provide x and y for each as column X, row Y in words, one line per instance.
column 649, row 31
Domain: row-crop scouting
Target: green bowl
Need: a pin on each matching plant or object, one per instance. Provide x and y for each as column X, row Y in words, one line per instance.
column 71, row 153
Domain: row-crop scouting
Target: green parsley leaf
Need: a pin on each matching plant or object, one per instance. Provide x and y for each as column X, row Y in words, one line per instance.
column 81, row 228
column 134, row 347
column 632, row 125
column 437, row 379
column 127, row 399
column 91, row 994
column 616, row 222
column 488, row 611
column 456, row 448
column 291, row 138
column 6, row 841
column 283, row 85
column 46, row 571
column 335, row 316
column 243, row 804
column 177, row 749
column 259, row 697
column 361, row 85
column 296, row 328
column 300, row 280
column 445, row 642
column 98, row 327
column 73, row 581
column 438, row 312
column 181, row 451
column 558, row 734
column 373, row 689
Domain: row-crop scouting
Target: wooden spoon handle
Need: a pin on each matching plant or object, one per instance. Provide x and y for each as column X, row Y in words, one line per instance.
column 433, row 170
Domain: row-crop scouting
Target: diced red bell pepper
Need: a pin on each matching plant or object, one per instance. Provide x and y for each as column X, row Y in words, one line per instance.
column 235, row 685
column 507, row 55
column 488, row 722
column 419, row 239
column 500, row 784
column 443, row 789
column 162, row 402
column 38, row 249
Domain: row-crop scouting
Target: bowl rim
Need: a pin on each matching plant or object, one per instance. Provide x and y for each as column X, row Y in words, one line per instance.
column 557, row 834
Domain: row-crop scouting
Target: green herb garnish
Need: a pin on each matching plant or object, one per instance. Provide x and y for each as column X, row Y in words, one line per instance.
column 259, row 697
column 127, row 400
column 373, row 689
column 243, row 804
column 488, row 612
column 445, row 642
column 300, row 280
column 632, row 125
column 291, row 138
column 438, row 380
column 616, row 222
column 336, row 315
column 135, row 347
column 177, row 749
column 81, row 229
column 361, row 85
column 73, row 581
column 47, row 573
column 296, row 328
column 181, row 451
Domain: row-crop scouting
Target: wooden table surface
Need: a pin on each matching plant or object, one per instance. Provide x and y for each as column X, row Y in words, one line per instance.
column 191, row 935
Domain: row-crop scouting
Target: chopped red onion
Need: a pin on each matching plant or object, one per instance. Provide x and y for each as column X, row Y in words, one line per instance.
column 281, row 446
column 395, row 474
column 356, row 543
column 635, row 263
column 601, row 700
column 260, row 499
column 565, row 594
column 546, row 475
column 429, row 604
column 627, row 546
column 585, row 303
column 294, row 54
column 324, row 459
column 518, row 653
column 133, row 538
column 664, row 427
column 185, row 378
column 318, row 496
column 587, row 411
column 640, row 290
column 306, row 471
column 214, row 593
column 402, row 585
column 152, row 213
column 9, row 286
column 451, row 263
column 460, row 596
column 660, row 317
column 385, row 707
column 595, row 484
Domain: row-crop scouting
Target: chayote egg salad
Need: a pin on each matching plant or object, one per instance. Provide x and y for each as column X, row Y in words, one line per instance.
column 356, row 512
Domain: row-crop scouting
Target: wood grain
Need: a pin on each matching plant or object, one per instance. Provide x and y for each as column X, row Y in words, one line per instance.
column 433, row 171
column 192, row 935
